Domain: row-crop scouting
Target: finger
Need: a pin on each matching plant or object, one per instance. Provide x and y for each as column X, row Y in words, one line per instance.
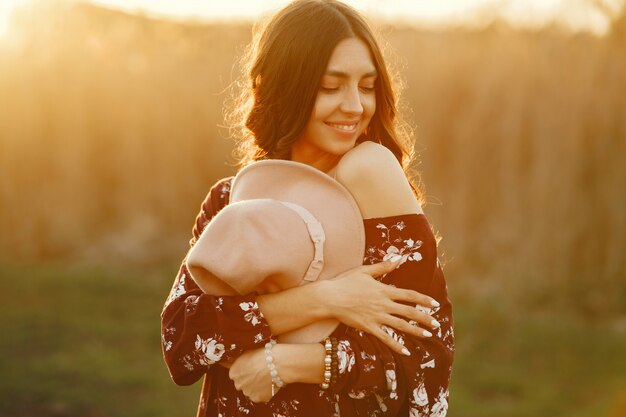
column 255, row 399
column 249, row 395
column 405, row 327
column 260, row 398
column 418, row 316
column 414, row 297
column 233, row 372
column 381, row 268
column 389, row 341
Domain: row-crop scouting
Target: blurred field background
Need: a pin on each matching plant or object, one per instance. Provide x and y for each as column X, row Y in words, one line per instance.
column 110, row 138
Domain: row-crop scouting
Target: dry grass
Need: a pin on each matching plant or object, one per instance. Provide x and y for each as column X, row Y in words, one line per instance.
column 109, row 141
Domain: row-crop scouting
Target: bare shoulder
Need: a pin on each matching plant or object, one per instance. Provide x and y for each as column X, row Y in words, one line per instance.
column 377, row 181
column 370, row 159
column 368, row 147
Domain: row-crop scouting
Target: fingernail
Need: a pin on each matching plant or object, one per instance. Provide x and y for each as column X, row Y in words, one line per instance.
column 427, row 333
column 435, row 323
column 406, row 352
column 395, row 258
column 434, row 303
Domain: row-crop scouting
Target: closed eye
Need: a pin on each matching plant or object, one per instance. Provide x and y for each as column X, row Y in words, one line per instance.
column 335, row 89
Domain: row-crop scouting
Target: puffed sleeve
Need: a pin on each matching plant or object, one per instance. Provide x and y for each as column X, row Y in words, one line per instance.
column 199, row 330
column 369, row 369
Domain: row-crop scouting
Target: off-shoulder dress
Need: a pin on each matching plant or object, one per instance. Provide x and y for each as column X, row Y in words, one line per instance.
column 198, row 331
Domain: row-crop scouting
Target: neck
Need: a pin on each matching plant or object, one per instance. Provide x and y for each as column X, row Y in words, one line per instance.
column 323, row 161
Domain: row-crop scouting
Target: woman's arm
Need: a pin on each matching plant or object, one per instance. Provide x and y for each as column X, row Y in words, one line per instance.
column 295, row 362
column 199, row 330
column 376, row 180
column 368, row 366
column 356, row 298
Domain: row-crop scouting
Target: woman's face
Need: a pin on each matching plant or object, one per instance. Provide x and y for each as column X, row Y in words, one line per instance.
column 345, row 104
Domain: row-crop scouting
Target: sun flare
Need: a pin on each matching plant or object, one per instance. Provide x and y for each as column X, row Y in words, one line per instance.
column 7, row 7
column 579, row 14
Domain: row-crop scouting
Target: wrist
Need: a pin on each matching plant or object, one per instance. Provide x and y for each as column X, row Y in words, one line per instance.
column 322, row 300
column 300, row 362
column 269, row 359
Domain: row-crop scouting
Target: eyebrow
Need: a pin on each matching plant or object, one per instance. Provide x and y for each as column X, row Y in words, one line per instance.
column 341, row 74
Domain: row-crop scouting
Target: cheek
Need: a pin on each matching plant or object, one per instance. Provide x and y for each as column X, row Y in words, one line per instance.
column 324, row 107
column 369, row 106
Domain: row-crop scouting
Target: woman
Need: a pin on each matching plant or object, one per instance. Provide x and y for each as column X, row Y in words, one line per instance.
column 320, row 94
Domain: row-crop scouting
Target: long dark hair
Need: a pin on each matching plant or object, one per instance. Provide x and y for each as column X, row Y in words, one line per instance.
column 283, row 68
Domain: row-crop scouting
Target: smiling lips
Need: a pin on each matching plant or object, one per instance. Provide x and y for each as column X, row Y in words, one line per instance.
column 346, row 127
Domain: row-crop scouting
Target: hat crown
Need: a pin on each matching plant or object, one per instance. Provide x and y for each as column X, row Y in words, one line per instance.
column 300, row 224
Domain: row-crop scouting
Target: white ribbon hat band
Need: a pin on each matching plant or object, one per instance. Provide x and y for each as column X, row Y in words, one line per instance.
column 316, row 232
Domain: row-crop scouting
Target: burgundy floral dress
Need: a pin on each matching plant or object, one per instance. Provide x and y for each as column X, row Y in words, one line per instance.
column 200, row 330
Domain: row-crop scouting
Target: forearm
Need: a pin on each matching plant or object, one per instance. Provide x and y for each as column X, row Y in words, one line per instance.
column 300, row 362
column 296, row 307
column 199, row 330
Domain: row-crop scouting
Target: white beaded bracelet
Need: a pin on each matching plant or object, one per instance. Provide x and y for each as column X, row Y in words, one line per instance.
column 327, row 364
column 276, row 381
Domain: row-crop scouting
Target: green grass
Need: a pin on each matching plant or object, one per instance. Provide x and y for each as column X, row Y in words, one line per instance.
column 83, row 341
column 86, row 342
column 515, row 362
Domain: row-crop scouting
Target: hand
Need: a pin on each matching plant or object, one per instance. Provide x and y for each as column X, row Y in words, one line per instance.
column 358, row 300
column 251, row 376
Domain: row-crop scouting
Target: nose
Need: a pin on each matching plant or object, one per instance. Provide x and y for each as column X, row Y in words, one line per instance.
column 351, row 101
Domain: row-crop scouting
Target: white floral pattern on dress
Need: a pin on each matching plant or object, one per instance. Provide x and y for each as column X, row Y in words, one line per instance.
column 345, row 356
column 225, row 190
column 381, row 405
column 357, row 395
column 426, row 310
column 369, row 361
column 420, row 396
column 191, row 303
column 440, row 407
column 167, row 345
column 392, row 383
column 337, row 412
column 208, row 351
column 393, row 334
column 429, row 364
column 241, row 408
column 178, row 289
column 447, row 335
column 418, row 402
column 284, row 408
column 223, row 196
column 394, row 245
column 253, row 314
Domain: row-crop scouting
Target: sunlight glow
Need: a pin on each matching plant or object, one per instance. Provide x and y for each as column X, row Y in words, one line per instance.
column 7, row 7
column 576, row 14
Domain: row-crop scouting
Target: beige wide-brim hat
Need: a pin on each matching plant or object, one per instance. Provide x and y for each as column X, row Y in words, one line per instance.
column 286, row 224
